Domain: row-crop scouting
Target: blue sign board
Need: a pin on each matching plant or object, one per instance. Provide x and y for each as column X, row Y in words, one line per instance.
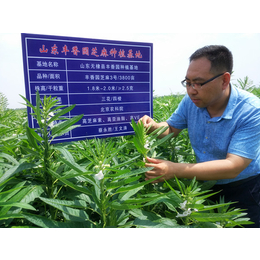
column 109, row 81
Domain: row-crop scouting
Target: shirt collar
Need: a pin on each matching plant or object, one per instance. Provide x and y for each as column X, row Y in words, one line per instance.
column 229, row 111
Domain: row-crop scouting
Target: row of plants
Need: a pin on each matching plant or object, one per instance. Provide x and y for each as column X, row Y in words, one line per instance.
column 99, row 183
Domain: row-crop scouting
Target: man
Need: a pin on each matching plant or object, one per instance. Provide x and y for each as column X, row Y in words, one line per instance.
column 224, row 130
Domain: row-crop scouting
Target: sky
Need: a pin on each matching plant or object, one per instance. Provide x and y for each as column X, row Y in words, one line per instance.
column 175, row 31
column 171, row 52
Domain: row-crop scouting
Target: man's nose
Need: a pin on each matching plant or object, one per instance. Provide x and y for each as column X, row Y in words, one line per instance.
column 192, row 91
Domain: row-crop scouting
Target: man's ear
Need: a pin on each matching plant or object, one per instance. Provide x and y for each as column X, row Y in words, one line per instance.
column 226, row 80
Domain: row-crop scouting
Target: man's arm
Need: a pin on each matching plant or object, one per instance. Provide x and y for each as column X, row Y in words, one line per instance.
column 228, row 168
column 148, row 121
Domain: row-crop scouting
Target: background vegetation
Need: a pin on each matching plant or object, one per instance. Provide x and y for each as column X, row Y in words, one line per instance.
column 99, row 183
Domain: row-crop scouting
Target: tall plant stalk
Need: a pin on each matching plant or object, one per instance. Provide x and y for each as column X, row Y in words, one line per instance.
column 40, row 139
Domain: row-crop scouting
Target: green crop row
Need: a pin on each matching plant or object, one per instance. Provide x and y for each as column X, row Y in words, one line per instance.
column 99, row 183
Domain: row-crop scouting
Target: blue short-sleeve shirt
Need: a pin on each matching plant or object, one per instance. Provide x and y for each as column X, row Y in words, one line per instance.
column 237, row 131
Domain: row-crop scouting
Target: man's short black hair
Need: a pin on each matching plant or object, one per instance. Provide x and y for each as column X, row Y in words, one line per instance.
column 220, row 57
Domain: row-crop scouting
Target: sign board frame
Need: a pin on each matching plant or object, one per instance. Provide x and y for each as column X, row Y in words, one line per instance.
column 111, row 82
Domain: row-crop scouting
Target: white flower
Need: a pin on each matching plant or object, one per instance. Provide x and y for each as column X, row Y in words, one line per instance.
column 184, row 214
column 99, row 176
column 146, row 146
column 183, row 205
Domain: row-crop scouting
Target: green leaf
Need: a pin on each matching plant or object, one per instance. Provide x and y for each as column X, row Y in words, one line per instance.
column 163, row 140
column 48, row 223
column 31, row 138
column 17, row 204
column 163, row 223
column 16, row 169
column 35, row 135
column 118, row 206
column 150, row 220
column 61, row 127
column 157, row 132
column 28, row 103
column 38, row 110
column 128, row 194
column 211, row 207
column 128, row 188
column 142, row 214
column 10, row 216
column 76, row 167
column 84, row 190
column 114, row 185
column 60, row 113
column 6, row 195
column 67, row 155
column 66, row 130
column 66, row 209
column 142, row 200
column 115, row 167
column 213, row 217
column 126, row 173
column 81, row 204
column 25, row 195
column 9, row 158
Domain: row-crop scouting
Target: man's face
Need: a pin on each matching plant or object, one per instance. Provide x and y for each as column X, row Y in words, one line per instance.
column 210, row 93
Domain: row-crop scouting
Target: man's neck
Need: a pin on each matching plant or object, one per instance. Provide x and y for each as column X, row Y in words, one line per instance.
column 217, row 109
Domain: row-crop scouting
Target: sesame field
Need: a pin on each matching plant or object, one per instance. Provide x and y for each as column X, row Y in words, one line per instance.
column 99, row 183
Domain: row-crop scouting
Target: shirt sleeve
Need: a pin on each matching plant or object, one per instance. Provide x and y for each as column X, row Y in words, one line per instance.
column 246, row 139
column 178, row 119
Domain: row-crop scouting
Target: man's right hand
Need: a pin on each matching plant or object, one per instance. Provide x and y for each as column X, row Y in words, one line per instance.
column 148, row 121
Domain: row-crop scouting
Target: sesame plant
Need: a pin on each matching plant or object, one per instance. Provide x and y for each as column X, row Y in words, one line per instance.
column 98, row 183
column 102, row 191
column 36, row 157
column 40, row 139
column 187, row 202
column 146, row 143
column 95, row 192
